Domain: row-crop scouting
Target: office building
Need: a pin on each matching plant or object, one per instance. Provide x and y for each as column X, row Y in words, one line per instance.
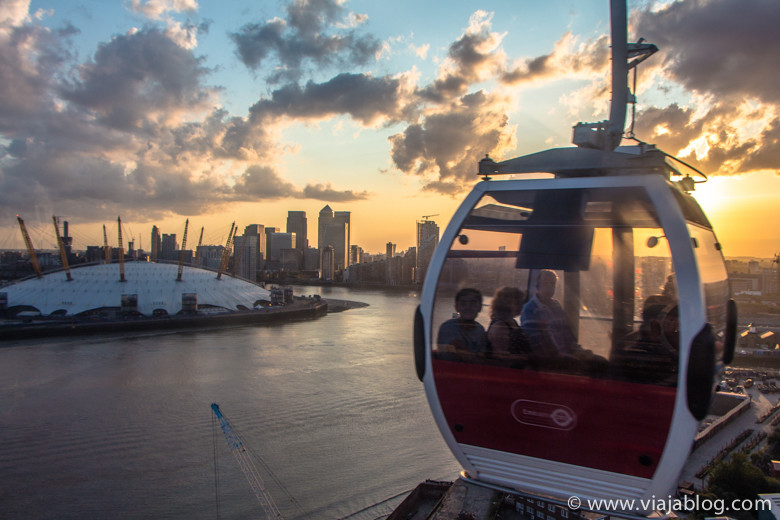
column 211, row 256
column 249, row 251
column 355, row 254
column 268, row 232
column 298, row 225
column 333, row 230
column 328, row 263
column 168, row 247
column 427, row 240
column 344, row 218
column 278, row 242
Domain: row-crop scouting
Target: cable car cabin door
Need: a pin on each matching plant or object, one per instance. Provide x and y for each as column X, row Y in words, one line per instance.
column 557, row 354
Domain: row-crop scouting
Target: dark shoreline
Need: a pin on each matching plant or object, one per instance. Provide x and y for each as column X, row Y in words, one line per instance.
column 300, row 310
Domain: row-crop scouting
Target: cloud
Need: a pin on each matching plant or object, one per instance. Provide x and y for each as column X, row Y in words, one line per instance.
column 264, row 182
column 474, row 57
column 30, row 59
column 140, row 79
column 569, row 57
column 718, row 46
column 158, row 9
column 327, row 193
column 315, row 35
column 134, row 130
column 446, row 147
column 718, row 50
column 365, row 98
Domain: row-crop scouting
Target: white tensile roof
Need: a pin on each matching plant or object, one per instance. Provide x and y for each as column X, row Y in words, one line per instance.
column 155, row 285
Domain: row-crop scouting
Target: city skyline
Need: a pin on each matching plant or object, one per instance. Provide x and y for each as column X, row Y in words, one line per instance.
column 162, row 110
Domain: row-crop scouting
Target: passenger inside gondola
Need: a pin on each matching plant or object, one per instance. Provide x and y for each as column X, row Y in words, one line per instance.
column 509, row 345
column 544, row 320
column 650, row 354
column 546, row 325
column 552, row 342
column 463, row 338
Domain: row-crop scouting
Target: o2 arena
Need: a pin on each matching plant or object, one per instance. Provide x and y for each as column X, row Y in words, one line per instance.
column 140, row 296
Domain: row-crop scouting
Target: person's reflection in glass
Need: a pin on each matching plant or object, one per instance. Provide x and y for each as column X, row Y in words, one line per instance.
column 463, row 338
column 650, row 354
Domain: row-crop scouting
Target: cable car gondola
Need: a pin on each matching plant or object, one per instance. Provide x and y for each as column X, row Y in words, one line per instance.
column 592, row 313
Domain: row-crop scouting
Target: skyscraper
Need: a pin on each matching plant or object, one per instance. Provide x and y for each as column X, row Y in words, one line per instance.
column 334, row 231
column 277, row 242
column 298, row 225
column 252, row 251
column 344, row 218
column 325, row 219
column 156, row 243
column 168, row 247
column 427, row 240
column 268, row 232
column 328, row 265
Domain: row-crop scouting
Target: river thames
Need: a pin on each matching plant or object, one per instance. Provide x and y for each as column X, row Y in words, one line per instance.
column 121, row 426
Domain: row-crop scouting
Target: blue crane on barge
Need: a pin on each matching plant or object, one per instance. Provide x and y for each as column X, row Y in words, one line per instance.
column 240, row 452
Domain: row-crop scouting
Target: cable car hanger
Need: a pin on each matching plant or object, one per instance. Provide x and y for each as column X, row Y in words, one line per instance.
column 609, row 315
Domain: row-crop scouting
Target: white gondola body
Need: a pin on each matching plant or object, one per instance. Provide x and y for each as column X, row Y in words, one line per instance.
column 564, row 433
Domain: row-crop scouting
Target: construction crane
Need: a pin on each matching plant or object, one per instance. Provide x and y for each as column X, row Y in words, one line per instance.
column 426, row 217
column 61, row 245
column 239, row 450
column 30, row 250
column 181, row 253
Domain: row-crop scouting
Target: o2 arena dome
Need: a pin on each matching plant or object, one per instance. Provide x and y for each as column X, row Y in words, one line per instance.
column 149, row 289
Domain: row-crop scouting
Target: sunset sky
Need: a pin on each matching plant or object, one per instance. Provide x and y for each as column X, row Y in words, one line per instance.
column 240, row 110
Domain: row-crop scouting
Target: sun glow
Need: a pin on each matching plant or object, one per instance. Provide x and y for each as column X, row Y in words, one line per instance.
column 743, row 211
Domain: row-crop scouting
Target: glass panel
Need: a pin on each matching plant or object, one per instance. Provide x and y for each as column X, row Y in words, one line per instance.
column 570, row 281
column 714, row 279
column 554, row 316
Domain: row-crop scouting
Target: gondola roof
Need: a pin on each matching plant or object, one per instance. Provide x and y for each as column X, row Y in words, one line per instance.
column 582, row 162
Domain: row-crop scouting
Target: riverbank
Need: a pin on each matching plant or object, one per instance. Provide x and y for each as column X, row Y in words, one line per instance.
column 301, row 309
column 335, row 305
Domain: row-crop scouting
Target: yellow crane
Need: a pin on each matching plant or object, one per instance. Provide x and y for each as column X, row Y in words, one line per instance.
column 226, row 253
column 30, row 250
column 121, row 252
column 196, row 261
column 181, row 252
column 106, row 247
column 61, row 246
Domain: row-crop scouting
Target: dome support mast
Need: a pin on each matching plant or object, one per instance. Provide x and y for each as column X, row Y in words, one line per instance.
column 121, row 253
column 226, row 252
column 181, row 253
column 61, row 245
column 30, row 250
column 196, row 261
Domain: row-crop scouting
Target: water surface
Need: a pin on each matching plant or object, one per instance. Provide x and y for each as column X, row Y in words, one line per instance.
column 121, row 426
